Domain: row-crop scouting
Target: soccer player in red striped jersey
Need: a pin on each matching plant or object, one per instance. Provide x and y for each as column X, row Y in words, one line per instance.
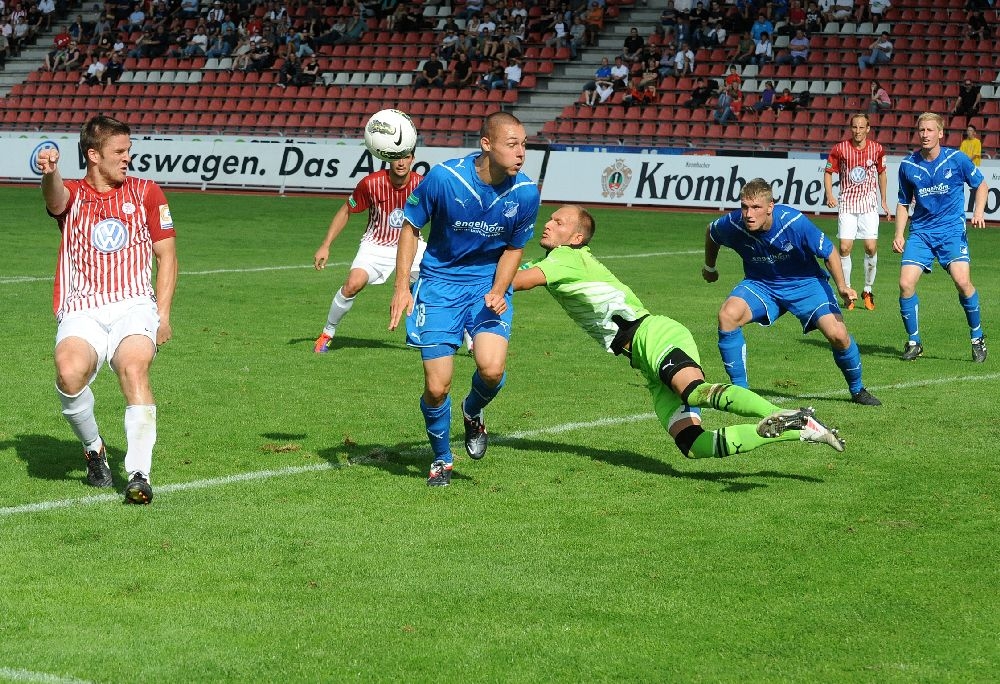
column 860, row 164
column 383, row 195
column 113, row 227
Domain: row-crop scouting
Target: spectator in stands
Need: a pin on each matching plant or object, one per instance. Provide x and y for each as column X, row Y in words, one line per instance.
column 115, row 68
column 512, row 74
column 78, row 30
column 241, row 54
column 700, row 94
column 760, row 27
column 763, row 52
column 4, row 47
column 785, row 101
column 639, row 96
column 558, row 35
column 601, row 88
column 47, row 10
column 261, row 57
column 57, row 55
column 814, row 19
column 461, row 73
column 766, row 99
column 668, row 17
column 777, row 10
column 838, row 10
column 74, row 57
column 190, row 9
column 143, row 45
column 297, row 42
column 880, row 52
column 684, row 61
column 412, row 21
column 969, row 101
column 215, row 15
column 94, row 73
column 724, row 111
column 197, row 43
column 733, row 78
column 471, row 7
column 879, row 100
column 290, row 71
column 798, row 50
column 136, row 20
column 971, row 145
column 431, row 73
column 355, row 29
column 633, row 46
column 876, row 8
column 650, row 74
column 797, row 19
column 594, row 22
column 493, row 77
column 978, row 28
column 620, row 74
column 714, row 34
column 743, row 54
column 449, row 43
column 683, row 32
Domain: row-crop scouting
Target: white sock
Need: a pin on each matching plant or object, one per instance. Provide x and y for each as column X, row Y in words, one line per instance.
column 79, row 413
column 140, row 433
column 338, row 309
column 871, row 266
column 845, row 265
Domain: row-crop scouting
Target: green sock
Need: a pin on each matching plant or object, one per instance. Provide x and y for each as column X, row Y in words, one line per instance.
column 731, row 399
column 733, row 440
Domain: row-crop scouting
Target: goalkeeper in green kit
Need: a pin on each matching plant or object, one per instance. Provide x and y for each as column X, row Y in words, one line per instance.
column 660, row 348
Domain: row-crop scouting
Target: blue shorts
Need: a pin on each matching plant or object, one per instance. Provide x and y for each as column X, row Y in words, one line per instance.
column 808, row 299
column 443, row 311
column 921, row 250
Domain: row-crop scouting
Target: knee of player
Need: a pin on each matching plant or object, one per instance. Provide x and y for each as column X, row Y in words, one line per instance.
column 436, row 394
column 686, row 438
column 70, row 381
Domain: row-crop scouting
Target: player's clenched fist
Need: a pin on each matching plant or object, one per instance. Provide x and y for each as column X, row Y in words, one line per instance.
column 47, row 160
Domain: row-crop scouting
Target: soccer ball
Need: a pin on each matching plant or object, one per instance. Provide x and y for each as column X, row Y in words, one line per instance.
column 390, row 135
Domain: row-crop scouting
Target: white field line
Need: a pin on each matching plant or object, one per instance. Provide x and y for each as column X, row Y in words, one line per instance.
column 15, row 280
column 15, row 675
column 43, row 506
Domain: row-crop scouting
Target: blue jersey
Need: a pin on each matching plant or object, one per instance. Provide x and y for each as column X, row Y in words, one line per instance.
column 937, row 187
column 787, row 251
column 472, row 222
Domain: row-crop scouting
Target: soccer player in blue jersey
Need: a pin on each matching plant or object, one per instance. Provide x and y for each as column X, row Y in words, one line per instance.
column 481, row 210
column 779, row 247
column 933, row 180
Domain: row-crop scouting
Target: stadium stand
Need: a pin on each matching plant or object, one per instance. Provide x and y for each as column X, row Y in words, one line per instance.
column 202, row 95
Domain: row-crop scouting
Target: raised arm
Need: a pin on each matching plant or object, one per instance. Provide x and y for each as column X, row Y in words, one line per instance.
column 55, row 193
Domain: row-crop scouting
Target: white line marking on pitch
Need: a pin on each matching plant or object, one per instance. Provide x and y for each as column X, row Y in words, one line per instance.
column 14, row 280
column 252, row 476
column 29, row 676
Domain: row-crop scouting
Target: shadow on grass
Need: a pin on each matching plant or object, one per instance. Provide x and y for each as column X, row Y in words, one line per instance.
column 820, row 342
column 411, row 459
column 49, row 458
column 344, row 342
column 732, row 481
column 405, row 459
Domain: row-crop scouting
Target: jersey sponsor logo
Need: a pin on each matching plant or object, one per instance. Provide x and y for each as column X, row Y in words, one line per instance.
column 33, row 161
column 510, row 209
column 947, row 173
column 396, row 218
column 128, row 208
column 939, row 189
column 479, row 228
column 858, row 174
column 108, row 236
column 166, row 220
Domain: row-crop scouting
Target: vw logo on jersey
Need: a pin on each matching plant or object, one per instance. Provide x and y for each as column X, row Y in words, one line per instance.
column 396, row 218
column 110, row 235
column 858, row 174
column 33, row 161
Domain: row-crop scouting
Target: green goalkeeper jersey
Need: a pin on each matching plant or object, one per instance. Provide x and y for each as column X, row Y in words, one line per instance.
column 588, row 291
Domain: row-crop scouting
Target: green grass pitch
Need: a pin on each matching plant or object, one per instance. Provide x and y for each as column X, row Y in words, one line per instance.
column 292, row 537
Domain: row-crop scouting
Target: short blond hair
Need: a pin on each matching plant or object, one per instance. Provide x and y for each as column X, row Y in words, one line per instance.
column 757, row 188
column 931, row 116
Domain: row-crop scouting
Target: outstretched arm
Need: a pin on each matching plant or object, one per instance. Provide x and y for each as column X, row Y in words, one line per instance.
column 406, row 252
column 336, row 226
column 528, row 278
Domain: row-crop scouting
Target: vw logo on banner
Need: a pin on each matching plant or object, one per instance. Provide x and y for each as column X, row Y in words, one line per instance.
column 33, row 162
column 110, row 235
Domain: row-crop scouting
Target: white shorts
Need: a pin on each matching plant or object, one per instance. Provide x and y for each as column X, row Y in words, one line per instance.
column 857, row 226
column 379, row 261
column 105, row 327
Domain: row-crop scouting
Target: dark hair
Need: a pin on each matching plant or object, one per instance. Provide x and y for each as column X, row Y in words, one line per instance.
column 98, row 129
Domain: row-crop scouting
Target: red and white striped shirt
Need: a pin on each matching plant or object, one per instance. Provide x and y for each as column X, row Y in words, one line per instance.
column 106, row 251
column 377, row 193
column 858, row 171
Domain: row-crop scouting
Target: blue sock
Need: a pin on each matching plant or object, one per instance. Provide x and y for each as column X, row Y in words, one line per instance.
column 971, row 306
column 733, row 349
column 481, row 394
column 849, row 363
column 438, row 422
column 908, row 308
